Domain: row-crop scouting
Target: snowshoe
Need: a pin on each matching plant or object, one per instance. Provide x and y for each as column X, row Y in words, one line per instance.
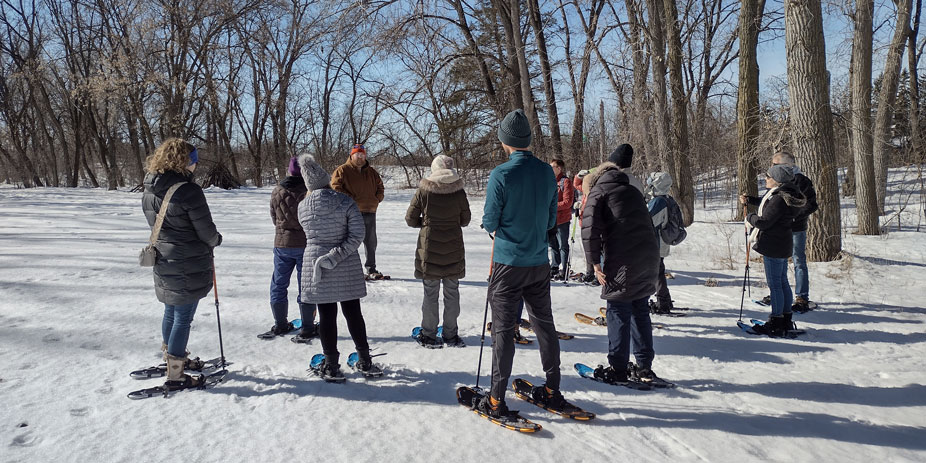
column 552, row 402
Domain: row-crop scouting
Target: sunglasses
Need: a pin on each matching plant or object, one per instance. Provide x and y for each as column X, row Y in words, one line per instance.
column 359, row 146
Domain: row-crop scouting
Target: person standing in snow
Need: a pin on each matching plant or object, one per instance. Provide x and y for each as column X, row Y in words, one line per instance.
column 359, row 180
column 658, row 185
column 799, row 232
column 589, row 277
column 183, row 272
column 288, row 249
column 772, row 237
column 440, row 210
column 332, row 273
column 622, row 156
column 616, row 225
column 559, row 235
column 520, row 208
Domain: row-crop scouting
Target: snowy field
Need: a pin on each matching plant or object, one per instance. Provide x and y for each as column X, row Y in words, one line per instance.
column 77, row 314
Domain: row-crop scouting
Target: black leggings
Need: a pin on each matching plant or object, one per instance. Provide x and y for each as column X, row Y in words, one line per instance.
column 328, row 327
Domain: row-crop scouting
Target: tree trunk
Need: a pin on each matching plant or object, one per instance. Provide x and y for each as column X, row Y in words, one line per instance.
column 547, row 71
column 527, row 93
column 865, row 198
column 657, row 47
column 886, row 99
column 812, row 122
column 913, row 63
column 747, row 103
column 682, row 187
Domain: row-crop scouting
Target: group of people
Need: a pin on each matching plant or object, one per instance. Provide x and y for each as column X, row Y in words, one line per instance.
column 321, row 219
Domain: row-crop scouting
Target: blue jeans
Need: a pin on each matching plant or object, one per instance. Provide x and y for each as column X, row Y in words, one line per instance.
column 559, row 244
column 799, row 256
column 284, row 261
column 628, row 320
column 776, row 274
column 175, row 327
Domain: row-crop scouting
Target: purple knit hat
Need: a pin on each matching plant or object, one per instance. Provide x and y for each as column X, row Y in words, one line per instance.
column 294, row 169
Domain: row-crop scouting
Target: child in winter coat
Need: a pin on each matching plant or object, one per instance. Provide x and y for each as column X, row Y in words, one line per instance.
column 440, row 209
column 332, row 273
column 183, row 272
column 772, row 237
column 288, row 248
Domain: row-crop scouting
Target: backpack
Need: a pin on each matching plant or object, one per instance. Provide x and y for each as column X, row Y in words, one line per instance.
column 673, row 232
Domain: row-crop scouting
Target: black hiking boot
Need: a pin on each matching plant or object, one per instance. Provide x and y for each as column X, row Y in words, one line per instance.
column 658, row 309
column 429, row 342
column 552, row 400
column 281, row 329
column 331, row 372
column 485, row 405
column 455, row 341
column 610, row 375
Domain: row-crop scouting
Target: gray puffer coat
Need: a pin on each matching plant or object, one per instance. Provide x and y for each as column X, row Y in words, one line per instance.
column 333, row 227
column 183, row 272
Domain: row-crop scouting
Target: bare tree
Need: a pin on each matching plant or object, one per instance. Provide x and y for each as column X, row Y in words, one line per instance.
column 747, row 103
column 865, row 197
column 812, row 122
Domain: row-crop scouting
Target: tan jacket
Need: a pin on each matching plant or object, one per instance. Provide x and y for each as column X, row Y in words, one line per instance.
column 364, row 185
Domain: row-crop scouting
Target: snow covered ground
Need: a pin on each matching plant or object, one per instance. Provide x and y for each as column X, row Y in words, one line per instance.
column 77, row 314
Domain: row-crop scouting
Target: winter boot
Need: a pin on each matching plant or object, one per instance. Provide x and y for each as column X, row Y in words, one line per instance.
column 491, row 407
column 659, row 309
column 281, row 329
column 331, row 371
column 800, row 305
column 610, row 375
column 787, row 324
column 552, row 399
column 280, row 312
column 176, row 379
column 454, row 341
column 767, row 300
column 429, row 342
column 775, row 327
column 366, row 366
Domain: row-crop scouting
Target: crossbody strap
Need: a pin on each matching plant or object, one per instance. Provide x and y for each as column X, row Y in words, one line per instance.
column 163, row 212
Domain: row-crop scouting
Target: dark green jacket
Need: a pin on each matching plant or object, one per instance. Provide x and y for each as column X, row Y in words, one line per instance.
column 440, row 210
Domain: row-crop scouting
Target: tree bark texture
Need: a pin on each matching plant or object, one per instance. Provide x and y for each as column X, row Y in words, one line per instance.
column 812, row 122
column 865, row 198
column 682, row 187
column 747, row 102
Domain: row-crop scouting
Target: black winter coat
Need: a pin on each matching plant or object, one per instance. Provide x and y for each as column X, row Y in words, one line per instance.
column 616, row 223
column 774, row 235
column 805, row 186
column 284, row 210
column 183, row 272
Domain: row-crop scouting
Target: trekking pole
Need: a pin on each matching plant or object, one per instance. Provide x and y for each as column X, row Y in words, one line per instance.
column 218, row 319
column 746, row 276
column 485, row 315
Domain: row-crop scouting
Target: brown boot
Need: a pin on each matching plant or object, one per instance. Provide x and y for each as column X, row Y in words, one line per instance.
column 176, row 378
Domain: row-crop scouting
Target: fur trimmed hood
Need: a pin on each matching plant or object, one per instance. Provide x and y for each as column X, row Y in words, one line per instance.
column 437, row 187
column 592, row 178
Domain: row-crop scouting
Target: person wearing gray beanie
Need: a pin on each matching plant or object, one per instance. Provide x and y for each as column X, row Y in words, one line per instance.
column 781, row 173
column 314, row 175
column 773, row 239
column 520, row 208
column 288, row 249
column 515, row 130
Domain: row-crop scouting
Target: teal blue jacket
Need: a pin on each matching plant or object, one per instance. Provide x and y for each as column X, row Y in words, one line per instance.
column 520, row 207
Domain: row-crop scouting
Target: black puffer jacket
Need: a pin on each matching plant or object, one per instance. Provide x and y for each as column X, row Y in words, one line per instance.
column 616, row 223
column 773, row 238
column 805, row 186
column 284, row 210
column 183, row 272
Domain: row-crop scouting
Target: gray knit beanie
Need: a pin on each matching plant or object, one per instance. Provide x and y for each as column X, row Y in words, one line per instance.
column 782, row 173
column 314, row 175
column 514, row 130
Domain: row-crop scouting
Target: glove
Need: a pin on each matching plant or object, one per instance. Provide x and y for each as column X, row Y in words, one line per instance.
column 326, row 262
column 219, row 243
column 577, row 206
